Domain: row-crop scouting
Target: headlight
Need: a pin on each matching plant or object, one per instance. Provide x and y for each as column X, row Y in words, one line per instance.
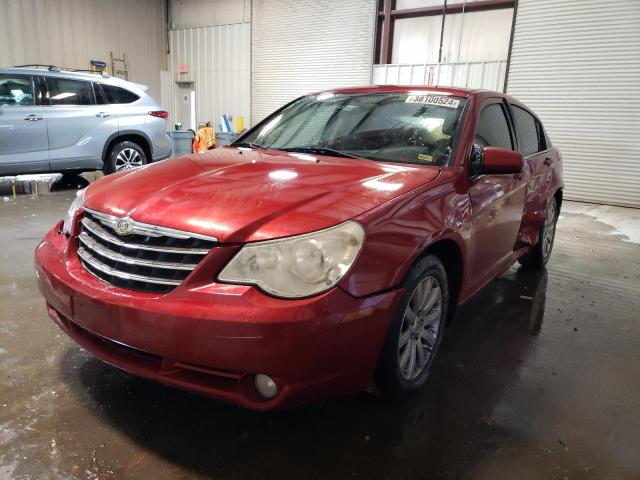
column 298, row 266
column 71, row 213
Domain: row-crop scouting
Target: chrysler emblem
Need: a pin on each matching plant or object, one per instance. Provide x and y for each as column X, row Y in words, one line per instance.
column 123, row 227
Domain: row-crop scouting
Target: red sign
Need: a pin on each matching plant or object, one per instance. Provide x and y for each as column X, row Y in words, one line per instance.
column 184, row 68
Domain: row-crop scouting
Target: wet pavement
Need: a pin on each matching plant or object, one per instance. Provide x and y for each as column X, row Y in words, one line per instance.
column 538, row 378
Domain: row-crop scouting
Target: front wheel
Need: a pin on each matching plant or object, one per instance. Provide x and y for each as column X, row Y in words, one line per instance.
column 540, row 254
column 125, row 155
column 416, row 330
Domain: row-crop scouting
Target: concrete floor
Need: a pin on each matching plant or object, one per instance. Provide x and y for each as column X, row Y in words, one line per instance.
column 538, row 378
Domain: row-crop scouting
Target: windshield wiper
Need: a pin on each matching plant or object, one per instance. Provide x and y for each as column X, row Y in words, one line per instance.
column 321, row 151
column 246, row 144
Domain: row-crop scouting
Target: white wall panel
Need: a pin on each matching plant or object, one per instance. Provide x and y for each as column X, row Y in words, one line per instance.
column 577, row 64
column 218, row 62
column 307, row 45
column 487, row 75
column 70, row 33
column 208, row 13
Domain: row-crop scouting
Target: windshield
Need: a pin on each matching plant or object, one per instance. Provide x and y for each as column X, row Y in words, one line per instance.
column 394, row 127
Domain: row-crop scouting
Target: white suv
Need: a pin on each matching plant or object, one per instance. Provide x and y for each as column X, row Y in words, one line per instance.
column 64, row 121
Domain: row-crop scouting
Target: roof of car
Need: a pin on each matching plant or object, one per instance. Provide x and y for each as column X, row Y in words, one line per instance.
column 60, row 72
column 456, row 91
column 52, row 70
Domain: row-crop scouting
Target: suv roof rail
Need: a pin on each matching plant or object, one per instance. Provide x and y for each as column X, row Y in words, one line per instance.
column 54, row 68
column 51, row 68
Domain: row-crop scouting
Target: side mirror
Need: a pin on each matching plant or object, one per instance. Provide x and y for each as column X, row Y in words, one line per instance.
column 501, row 160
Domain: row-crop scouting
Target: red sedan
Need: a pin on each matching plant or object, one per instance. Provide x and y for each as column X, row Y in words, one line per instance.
column 323, row 250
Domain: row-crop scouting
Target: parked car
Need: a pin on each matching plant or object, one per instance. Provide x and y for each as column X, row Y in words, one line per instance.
column 63, row 121
column 326, row 248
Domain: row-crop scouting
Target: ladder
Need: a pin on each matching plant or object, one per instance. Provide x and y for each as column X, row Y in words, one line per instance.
column 119, row 66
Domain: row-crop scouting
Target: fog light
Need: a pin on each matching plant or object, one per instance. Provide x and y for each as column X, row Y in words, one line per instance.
column 266, row 386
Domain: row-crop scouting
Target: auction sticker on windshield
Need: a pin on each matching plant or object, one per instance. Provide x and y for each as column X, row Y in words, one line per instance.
column 437, row 100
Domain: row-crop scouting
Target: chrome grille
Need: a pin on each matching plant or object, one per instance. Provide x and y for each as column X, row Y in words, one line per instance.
column 147, row 257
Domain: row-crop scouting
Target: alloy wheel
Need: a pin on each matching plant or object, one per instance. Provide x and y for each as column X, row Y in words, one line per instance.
column 420, row 327
column 127, row 159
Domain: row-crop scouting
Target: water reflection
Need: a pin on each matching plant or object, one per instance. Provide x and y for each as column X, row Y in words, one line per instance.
column 441, row 433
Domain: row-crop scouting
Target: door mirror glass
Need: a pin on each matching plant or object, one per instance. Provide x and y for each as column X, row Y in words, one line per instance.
column 501, row 160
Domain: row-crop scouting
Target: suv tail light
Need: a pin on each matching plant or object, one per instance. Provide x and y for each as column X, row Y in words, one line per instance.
column 159, row 114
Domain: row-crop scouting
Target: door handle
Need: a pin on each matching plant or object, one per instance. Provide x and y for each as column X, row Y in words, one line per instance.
column 102, row 114
column 33, row 117
column 548, row 161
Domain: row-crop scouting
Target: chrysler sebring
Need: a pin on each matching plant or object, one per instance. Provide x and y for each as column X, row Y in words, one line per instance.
column 322, row 252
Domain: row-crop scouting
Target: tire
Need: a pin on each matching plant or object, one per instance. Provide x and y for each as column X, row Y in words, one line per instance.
column 401, row 370
column 539, row 255
column 124, row 155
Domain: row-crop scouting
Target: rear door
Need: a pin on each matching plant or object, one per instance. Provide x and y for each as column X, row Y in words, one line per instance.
column 539, row 158
column 23, row 129
column 78, row 127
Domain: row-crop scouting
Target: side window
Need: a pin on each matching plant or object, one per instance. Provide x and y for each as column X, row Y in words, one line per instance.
column 65, row 91
column 100, row 97
column 118, row 95
column 545, row 143
column 493, row 129
column 16, row 90
column 528, row 131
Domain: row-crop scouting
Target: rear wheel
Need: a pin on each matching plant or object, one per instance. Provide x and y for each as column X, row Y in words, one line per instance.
column 125, row 155
column 416, row 330
column 540, row 254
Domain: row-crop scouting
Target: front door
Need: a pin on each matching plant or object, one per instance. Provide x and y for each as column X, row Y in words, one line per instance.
column 497, row 200
column 23, row 128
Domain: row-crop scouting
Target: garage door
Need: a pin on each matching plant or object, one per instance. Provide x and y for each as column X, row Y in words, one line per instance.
column 300, row 46
column 577, row 64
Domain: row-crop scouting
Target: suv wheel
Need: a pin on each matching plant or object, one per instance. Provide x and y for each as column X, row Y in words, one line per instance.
column 124, row 155
column 416, row 330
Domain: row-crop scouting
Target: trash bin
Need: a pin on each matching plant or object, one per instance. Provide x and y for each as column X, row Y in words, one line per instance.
column 182, row 142
column 223, row 139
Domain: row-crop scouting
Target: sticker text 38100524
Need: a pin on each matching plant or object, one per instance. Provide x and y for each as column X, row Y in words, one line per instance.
column 437, row 100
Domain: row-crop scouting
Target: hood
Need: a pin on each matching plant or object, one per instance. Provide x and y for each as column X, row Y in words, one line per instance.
column 241, row 195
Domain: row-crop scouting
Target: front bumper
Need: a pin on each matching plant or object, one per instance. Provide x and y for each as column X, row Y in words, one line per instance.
column 213, row 338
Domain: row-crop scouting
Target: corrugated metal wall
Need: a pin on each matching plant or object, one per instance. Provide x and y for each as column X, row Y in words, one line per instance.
column 70, row 33
column 577, row 64
column 488, row 75
column 218, row 62
column 306, row 45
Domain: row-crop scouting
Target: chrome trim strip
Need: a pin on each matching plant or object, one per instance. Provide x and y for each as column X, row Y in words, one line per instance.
column 91, row 260
column 96, row 247
column 147, row 229
column 98, row 231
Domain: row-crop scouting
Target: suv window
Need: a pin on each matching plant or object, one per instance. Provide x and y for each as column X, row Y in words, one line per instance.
column 16, row 90
column 493, row 129
column 65, row 91
column 118, row 95
column 530, row 136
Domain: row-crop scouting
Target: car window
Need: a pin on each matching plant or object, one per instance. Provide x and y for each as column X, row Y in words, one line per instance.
column 65, row 91
column 394, row 127
column 545, row 144
column 529, row 135
column 493, row 129
column 16, row 90
column 118, row 95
